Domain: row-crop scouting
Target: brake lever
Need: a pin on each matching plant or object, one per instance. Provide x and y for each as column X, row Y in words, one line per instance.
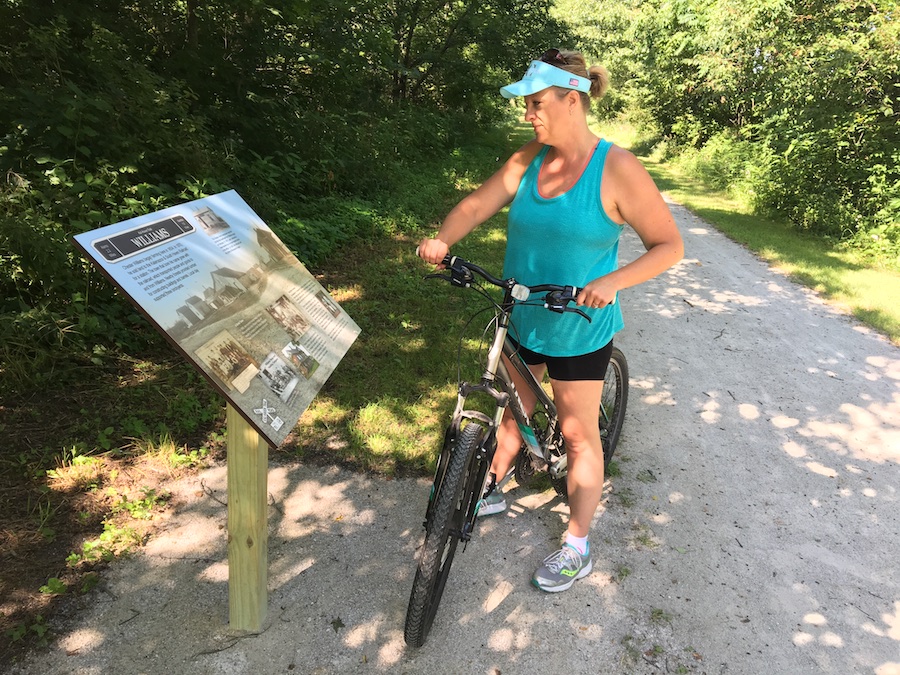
column 578, row 311
column 558, row 301
column 445, row 277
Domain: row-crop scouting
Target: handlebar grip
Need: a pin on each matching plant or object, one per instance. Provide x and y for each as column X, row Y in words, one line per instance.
column 448, row 259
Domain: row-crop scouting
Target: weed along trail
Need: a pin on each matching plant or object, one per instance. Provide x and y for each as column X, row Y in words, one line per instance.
column 750, row 523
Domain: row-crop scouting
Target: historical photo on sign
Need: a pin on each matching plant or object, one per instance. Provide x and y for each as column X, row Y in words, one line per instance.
column 228, row 361
column 234, row 300
column 289, row 316
column 301, row 358
column 278, row 376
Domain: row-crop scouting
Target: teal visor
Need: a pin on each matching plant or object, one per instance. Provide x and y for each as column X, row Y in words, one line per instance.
column 541, row 75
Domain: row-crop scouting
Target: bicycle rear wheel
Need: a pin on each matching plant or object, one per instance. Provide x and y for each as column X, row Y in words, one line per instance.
column 613, row 403
column 445, row 522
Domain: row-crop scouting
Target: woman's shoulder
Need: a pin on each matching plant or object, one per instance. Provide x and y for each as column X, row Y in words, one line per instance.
column 527, row 152
column 518, row 163
column 619, row 159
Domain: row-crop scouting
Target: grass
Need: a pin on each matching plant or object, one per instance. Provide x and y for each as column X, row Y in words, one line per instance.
column 387, row 404
column 842, row 276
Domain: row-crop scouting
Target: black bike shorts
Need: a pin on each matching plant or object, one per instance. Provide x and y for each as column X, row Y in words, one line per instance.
column 570, row 368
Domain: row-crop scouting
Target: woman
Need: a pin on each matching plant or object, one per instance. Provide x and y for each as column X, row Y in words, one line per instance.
column 570, row 194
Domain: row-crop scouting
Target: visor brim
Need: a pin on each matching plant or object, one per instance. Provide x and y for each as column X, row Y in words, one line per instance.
column 540, row 76
column 523, row 88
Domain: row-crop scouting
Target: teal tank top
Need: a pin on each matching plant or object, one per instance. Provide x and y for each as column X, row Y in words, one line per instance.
column 568, row 240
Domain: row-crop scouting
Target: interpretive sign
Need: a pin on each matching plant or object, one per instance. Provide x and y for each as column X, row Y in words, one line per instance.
column 234, row 300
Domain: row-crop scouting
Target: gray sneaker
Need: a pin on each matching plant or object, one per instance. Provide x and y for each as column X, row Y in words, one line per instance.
column 493, row 502
column 560, row 570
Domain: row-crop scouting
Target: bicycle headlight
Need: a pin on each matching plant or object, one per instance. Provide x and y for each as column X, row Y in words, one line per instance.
column 520, row 292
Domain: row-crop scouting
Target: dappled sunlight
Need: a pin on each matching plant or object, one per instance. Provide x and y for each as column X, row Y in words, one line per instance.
column 814, row 631
column 347, row 294
column 390, row 653
column 871, row 433
column 772, row 477
column 784, row 422
column 709, row 412
column 718, row 302
column 661, row 518
column 592, row 631
column 507, row 639
column 363, row 634
column 794, row 449
column 82, row 638
column 890, row 368
column 216, row 572
column 892, row 622
column 817, row 627
column 497, row 596
column 652, row 391
column 748, row 411
column 821, row 469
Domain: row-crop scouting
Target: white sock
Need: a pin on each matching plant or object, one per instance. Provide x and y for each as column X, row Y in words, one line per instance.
column 579, row 543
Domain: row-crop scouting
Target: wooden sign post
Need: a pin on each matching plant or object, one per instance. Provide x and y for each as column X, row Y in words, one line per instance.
column 248, row 536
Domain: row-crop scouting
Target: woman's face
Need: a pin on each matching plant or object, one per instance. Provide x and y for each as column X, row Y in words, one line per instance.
column 548, row 113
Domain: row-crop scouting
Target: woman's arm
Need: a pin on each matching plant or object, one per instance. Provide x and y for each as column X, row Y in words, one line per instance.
column 629, row 195
column 495, row 193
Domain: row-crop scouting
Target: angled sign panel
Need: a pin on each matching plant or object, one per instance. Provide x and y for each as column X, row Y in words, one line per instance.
column 224, row 289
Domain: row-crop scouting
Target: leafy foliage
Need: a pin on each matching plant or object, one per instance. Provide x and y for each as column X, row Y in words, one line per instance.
column 799, row 98
column 316, row 112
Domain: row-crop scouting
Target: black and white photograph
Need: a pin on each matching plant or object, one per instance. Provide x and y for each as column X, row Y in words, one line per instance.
column 278, row 376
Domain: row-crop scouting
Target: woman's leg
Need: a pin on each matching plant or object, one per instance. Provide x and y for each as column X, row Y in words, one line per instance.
column 578, row 403
column 509, row 440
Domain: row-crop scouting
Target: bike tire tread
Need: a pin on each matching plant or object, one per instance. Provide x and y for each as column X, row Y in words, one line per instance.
column 428, row 585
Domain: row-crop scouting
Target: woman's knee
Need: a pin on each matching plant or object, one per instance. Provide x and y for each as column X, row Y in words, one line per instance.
column 580, row 437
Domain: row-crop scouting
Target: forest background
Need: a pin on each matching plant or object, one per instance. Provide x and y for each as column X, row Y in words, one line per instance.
column 351, row 123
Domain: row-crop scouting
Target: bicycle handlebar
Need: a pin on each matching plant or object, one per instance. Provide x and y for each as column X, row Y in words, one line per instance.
column 557, row 297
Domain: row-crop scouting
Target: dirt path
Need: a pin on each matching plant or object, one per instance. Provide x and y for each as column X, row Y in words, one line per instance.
column 754, row 527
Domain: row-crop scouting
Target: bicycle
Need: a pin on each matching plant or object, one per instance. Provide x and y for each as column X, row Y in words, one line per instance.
column 470, row 441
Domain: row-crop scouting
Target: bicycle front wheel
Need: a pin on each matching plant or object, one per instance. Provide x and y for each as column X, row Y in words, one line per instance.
column 442, row 531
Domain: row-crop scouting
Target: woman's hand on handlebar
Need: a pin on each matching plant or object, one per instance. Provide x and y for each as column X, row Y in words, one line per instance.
column 598, row 293
column 433, row 251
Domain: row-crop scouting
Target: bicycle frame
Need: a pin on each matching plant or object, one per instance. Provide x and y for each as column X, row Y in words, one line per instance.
column 470, row 441
column 497, row 384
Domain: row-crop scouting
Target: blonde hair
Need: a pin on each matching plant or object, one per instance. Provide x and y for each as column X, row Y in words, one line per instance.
column 576, row 64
